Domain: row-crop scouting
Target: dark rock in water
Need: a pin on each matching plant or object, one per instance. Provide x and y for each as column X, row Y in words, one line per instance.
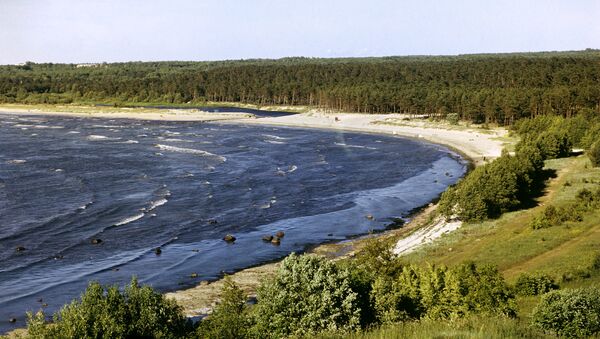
column 194, row 275
column 12, row 320
column 229, row 238
column 44, row 305
column 396, row 223
column 157, row 251
column 96, row 241
column 447, row 174
column 276, row 241
column 330, row 235
column 20, row 248
column 280, row 234
column 115, row 269
column 212, row 221
column 370, row 217
column 40, row 300
column 58, row 257
column 267, row 238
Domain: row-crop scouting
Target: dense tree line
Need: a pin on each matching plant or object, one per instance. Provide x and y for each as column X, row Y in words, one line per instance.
column 482, row 88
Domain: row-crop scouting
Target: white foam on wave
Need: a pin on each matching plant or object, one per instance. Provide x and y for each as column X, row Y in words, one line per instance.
column 275, row 142
column 157, row 203
column 16, row 161
column 129, row 142
column 97, row 137
column 175, row 140
column 189, row 151
column 354, row 146
column 130, row 219
column 73, row 132
column 276, row 137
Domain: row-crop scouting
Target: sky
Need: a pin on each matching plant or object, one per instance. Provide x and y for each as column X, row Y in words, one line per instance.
column 80, row 31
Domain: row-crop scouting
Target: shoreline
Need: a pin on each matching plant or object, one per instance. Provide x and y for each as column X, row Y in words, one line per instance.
column 475, row 146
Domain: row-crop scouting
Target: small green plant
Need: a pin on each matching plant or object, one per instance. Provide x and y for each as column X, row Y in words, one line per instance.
column 534, row 284
column 105, row 312
column 230, row 318
column 569, row 313
column 309, row 294
column 594, row 154
column 452, row 118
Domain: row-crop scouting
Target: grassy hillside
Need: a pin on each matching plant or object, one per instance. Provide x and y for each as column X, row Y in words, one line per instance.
column 568, row 252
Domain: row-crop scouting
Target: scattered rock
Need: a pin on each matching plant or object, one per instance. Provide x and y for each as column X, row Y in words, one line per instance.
column 447, row 174
column 196, row 250
column 40, row 300
column 267, row 238
column 194, row 275
column 280, row 234
column 20, row 248
column 96, row 241
column 58, row 257
column 396, row 223
column 44, row 305
column 330, row 235
column 229, row 238
column 115, row 269
column 212, row 221
column 276, row 241
column 12, row 320
column 370, row 217
column 157, row 251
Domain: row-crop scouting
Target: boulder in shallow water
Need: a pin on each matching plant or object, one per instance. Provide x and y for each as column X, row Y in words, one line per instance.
column 96, row 241
column 12, row 320
column 370, row 217
column 157, row 251
column 212, row 221
column 280, row 234
column 20, row 248
column 276, row 241
column 194, row 275
column 229, row 238
column 267, row 238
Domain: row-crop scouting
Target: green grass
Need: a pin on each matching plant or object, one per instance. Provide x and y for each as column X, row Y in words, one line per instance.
column 472, row 327
column 514, row 247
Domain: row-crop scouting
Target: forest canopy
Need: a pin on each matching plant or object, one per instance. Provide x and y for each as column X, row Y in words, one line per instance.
column 492, row 88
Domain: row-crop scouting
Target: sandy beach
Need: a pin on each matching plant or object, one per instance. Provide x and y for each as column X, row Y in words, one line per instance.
column 477, row 144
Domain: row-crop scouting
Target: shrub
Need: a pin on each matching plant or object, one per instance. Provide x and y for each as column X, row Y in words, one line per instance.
column 309, row 294
column 138, row 312
column 534, row 284
column 569, row 313
column 439, row 293
column 452, row 118
column 594, row 154
column 554, row 144
column 230, row 318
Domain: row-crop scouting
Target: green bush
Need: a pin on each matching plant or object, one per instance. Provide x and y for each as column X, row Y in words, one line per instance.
column 594, row 154
column 494, row 188
column 570, row 313
column 230, row 318
column 441, row 293
column 105, row 312
column 534, row 284
column 452, row 118
column 309, row 294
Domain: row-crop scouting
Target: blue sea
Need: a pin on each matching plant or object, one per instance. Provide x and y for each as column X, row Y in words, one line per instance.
column 85, row 199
